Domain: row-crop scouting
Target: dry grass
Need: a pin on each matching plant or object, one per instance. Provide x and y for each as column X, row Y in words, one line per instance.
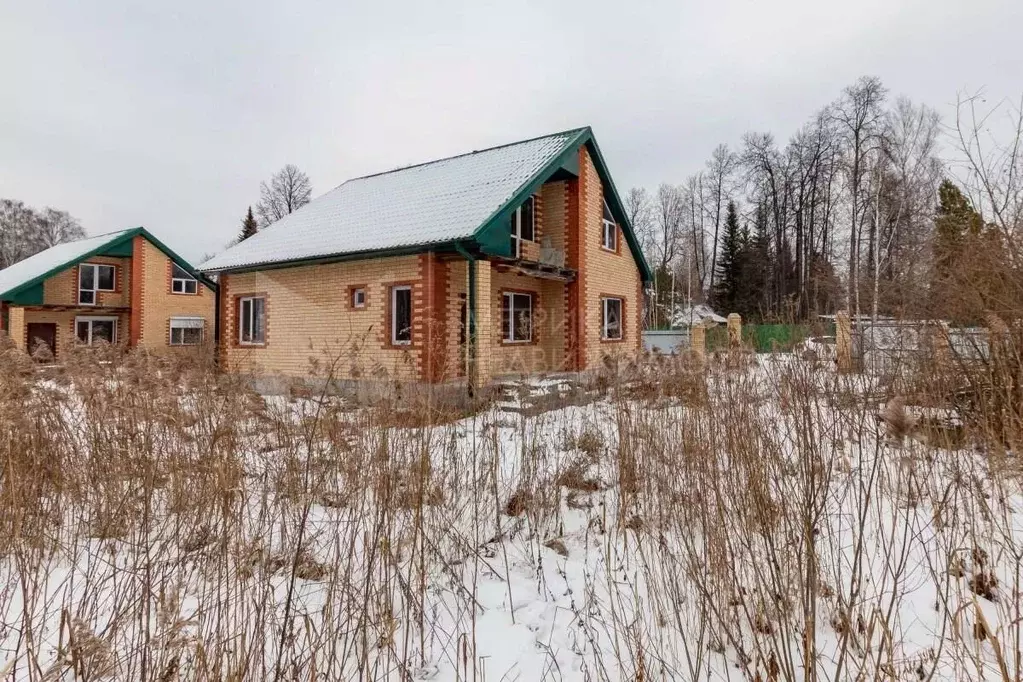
column 159, row 521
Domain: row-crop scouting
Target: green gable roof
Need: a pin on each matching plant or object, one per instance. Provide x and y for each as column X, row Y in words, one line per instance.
column 22, row 282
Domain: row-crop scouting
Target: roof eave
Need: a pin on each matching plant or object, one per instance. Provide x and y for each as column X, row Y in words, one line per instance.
column 389, row 252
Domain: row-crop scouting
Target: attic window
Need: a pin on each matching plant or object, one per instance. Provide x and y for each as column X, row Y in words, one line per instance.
column 181, row 281
column 93, row 277
column 610, row 236
column 522, row 226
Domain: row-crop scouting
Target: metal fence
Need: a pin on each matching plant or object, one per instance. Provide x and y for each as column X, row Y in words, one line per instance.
column 891, row 346
column 667, row 340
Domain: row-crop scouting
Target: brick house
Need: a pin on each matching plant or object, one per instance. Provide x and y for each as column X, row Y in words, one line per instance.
column 515, row 259
column 124, row 288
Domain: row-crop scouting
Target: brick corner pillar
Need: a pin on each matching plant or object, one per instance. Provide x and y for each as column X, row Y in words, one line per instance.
column 16, row 327
column 575, row 258
column 137, row 287
column 224, row 331
column 484, row 324
column 433, row 272
column 640, row 308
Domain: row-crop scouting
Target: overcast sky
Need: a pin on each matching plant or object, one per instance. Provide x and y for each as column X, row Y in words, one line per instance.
column 169, row 114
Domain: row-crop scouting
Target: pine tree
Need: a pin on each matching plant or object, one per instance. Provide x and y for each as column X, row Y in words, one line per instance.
column 755, row 269
column 955, row 222
column 727, row 289
column 249, row 226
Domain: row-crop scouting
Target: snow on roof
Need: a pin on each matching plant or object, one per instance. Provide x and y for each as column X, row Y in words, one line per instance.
column 53, row 258
column 701, row 312
column 430, row 203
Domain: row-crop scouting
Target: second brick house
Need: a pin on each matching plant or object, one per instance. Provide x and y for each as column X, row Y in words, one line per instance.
column 124, row 288
column 514, row 259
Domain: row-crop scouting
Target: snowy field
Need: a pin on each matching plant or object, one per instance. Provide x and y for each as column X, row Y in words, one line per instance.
column 754, row 520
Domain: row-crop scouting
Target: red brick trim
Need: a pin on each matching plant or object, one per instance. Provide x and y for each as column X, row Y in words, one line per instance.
column 417, row 314
column 137, row 285
column 625, row 307
column 350, row 303
column 434, row 275
column 534, row 306
column 640, row 302
column 236, row 306
column 223, row 286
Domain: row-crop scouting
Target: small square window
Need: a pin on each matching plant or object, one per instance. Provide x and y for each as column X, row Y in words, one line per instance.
column 358, row 297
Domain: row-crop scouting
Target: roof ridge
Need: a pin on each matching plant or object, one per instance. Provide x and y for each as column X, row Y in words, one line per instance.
column 570, row 131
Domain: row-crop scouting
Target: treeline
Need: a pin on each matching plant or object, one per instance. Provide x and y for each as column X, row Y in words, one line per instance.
column 25, row 231
column 840, row 216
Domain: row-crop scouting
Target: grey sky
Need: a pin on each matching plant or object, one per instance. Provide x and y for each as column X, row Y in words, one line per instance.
column 169, row 114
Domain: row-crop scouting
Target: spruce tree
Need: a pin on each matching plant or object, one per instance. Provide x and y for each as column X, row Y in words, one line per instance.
column 249, row 226
column 955, row 222
column 727, row 289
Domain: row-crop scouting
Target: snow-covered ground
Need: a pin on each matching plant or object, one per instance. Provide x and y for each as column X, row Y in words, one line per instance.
column 758, row 523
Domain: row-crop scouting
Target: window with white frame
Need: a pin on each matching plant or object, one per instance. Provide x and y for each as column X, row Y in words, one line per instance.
column 517, row 317
column 401, row 315
column 186, row 331
column 611, row 319
column 93, row 278
column 358, row 297
column 522, row 226
column 93, row 330
column 252, row 320
column 610, row 237
column 181, row 281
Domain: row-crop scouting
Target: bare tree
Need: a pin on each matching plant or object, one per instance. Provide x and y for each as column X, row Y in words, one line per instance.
column 903, row 183
column 639, row 210
column 24, row 231
column 720, row 171
column 992, row 154
column 860, row 117
column 56, row 227
column 288, row 190
column 667, row 244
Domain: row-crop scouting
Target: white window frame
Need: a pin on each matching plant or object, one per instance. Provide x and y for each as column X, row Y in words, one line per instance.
column 252, row 320
column 183, row 282
column 95, row 318
column 95, row 281
column 187, row 323
column 394, row 317
column 509, row 331
column 356, row 292
column 604, row 317
column 516, row 226
column 609, row 240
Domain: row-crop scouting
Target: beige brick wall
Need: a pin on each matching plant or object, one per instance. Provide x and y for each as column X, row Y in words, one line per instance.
column 546, row 352
column 555, row 209
column 65, row 324
column 159, row 304
column 62, row 288
column 610, row 273
column 308, row 317
column 458, row 295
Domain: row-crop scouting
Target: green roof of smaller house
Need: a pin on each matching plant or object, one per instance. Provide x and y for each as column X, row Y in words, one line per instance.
column 34, row 270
